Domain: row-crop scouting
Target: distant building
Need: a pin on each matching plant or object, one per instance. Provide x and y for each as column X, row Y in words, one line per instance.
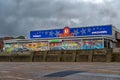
column 2, row 43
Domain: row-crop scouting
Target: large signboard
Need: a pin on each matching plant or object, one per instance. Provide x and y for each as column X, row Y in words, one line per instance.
column 73, row 32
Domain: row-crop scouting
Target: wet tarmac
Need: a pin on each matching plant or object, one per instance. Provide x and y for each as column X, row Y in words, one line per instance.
column 59, row 71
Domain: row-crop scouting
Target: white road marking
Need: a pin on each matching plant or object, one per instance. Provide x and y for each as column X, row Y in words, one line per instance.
column 4, row 71
column 99, row 74
column 15, row 77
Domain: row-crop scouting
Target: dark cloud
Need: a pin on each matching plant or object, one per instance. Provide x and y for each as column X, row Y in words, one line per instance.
column 19, row 17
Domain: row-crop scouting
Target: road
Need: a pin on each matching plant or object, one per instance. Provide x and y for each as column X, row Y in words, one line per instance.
column 59, row 71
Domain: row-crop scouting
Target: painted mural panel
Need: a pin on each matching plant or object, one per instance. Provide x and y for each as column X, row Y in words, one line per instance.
column 98, row 44
column 42, row 46
column 64, row 45
column 14, row 47
column 71, row 45
column 37, row 46
column 92, row 44
column 56, row 46
column 8, row 48
column 86, row 44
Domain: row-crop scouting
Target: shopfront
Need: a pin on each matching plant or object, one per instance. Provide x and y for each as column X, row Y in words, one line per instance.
column 91, row 37
column 82, row 38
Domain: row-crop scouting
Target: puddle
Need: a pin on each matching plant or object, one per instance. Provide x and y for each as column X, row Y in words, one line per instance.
column 63, row 73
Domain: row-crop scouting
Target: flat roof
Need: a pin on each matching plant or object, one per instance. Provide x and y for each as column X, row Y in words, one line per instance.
column 47, row 40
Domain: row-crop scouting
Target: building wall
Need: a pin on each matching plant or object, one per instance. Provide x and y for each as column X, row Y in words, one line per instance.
column 76, row 39
column 78, row 44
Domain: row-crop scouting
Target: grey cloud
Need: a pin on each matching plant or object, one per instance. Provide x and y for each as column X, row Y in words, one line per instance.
column 19, row 17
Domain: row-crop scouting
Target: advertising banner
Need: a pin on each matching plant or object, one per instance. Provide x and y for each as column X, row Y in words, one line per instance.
column 72, row 32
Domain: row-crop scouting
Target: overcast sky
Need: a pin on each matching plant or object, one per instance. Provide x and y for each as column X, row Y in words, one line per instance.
column 19, row 17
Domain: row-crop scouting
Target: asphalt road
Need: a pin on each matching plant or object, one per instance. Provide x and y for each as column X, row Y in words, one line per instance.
column 59, row 71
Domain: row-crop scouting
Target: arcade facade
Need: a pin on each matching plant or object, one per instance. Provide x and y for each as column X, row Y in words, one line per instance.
column 91, row 37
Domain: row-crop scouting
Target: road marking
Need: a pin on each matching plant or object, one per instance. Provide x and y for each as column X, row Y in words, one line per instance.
column 16, row 77
column 12, row 76
column 4, row 71
column 99, row 74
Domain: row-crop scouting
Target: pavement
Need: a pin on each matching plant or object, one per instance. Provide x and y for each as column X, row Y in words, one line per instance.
column 59, row 71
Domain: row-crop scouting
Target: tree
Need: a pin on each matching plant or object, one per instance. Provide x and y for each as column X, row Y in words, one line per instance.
column 20, row 37
column 7, row 38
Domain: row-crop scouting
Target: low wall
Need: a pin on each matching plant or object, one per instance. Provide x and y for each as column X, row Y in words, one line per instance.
column 116, row 55
column 104, row 55
column 5, row 58
column 16, row 57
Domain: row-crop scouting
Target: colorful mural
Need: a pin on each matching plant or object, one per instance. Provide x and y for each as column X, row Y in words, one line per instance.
column 55, row 45
column 83, row 44
column 86, row 44
column 42, row 46
column 92, row 44
column 97, row 44
column 36, row 46
column 71, row 45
